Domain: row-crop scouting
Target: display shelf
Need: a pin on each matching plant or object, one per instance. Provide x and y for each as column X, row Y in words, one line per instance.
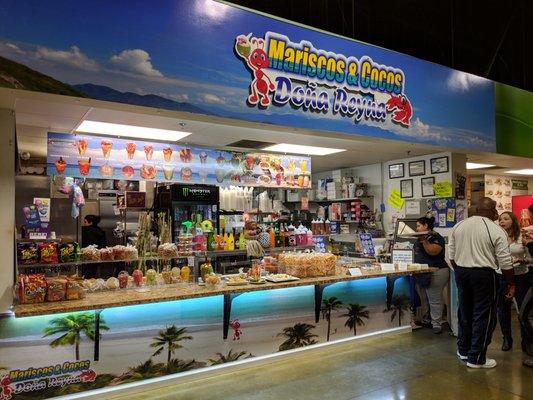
column 342, row 200
column 215, row 253
column 81, row 263
column 230, row 212
column 128, row 297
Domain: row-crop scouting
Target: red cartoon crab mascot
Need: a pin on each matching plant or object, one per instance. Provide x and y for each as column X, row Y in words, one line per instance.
column 5, row 389
column 253, row 53
column 400, row 106
column 236, row 326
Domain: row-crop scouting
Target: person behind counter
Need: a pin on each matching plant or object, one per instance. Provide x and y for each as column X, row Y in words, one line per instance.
column 521, row 259
column 92, row 234
column 429, row 249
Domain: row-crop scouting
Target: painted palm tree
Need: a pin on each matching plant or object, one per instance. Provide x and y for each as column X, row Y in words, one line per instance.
column 176, row 365
column 355, row 313
column 169, row 338
column 328, row 306
column 299, row 335
column 399, row 305
column 230, row 357
column 72, row 326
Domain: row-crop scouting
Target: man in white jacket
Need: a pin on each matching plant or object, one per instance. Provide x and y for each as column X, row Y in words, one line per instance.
column 478, row 248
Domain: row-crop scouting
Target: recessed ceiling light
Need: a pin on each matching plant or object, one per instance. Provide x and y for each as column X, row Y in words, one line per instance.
column 473, row 165
column 301, row 149
column 526, row 171
column 132, row 131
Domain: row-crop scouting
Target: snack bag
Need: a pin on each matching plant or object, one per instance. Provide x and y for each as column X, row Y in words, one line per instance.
column 27, row 253
column 57, row 289
column 48, row 253
column 31, row 288
column 75, row 290
column 68, row 252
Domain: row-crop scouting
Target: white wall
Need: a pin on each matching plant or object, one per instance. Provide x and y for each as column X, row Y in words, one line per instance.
column 7, row 207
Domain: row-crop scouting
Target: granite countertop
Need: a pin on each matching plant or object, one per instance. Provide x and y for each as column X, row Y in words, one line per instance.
column 180, row 291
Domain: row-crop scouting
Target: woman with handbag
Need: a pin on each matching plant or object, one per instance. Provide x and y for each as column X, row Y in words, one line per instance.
column 429, row 249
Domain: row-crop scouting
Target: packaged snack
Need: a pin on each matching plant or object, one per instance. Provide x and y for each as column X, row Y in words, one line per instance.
column 90, row 253
column 27, row 253
column 185, row 273
column 167, row 276
column 107, row 254
column 57, row 289
column 48, row 253
column 31, row 288
column 119, row 252
column 112, row 283
column 123, row 279
column 75, row 289
column 130, row 253
column 68, row 252
column 167, row 250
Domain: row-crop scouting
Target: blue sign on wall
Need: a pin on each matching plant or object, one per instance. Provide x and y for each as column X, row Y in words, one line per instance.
column 206, row 57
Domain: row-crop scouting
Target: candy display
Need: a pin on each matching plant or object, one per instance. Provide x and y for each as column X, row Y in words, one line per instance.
column 123, row 278
column 125, row 253
column 57, row 289
column 167, row 250
column 211, row 281
column 137, row 277
column 27, row 253
column 167, row 276
column 185, row 273
column 112, row 283
column 309, row 265
column 107, row 254
column 205, row 269
column 48, row 253
column 176, row 273
column 90, row 253
column 151, row 276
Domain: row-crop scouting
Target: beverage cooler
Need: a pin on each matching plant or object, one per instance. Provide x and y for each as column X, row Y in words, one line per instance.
column 191, row 207
column 520, row 206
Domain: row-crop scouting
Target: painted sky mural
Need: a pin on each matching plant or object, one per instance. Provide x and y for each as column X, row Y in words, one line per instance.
column 183, row 55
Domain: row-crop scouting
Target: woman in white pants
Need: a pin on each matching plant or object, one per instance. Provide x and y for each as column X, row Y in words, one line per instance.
column 429, row 249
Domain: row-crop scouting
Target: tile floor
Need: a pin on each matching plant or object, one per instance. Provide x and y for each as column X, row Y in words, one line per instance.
column 416, row 365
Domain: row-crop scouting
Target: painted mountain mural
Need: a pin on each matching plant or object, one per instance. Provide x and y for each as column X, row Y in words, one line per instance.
column 18, row 76
column 106, row 93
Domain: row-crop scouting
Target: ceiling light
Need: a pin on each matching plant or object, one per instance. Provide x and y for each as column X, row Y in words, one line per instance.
column 526, row 171
column 473, row 165
column 132, row 131
column 301, row 149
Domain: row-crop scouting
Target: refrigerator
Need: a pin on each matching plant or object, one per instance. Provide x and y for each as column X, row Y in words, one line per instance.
column 190, row 206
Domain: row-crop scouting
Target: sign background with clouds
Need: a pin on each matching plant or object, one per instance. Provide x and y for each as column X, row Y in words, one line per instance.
column 179, row 55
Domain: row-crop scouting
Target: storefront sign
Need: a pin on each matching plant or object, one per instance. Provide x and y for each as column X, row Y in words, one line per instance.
column 228, row 62
column 318, row 80
column 395, row 199
column 111, row 158
column 443, row 189
column 36, row 379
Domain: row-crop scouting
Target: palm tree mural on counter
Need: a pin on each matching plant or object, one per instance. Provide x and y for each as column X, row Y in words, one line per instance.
column 355, row 314
column 230, row 357
column 400, row 304
column 169, row 338
column 328, row 306
column 296, row 336
column 72, row 326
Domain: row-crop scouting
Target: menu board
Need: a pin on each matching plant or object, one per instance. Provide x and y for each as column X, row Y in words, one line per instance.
column 499, row 189
column 114, row 158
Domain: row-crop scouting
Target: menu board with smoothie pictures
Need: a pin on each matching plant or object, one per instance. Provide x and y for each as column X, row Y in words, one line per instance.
column 113, row 158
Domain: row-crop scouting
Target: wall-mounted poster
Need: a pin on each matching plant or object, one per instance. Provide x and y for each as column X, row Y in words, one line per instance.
column 417, row 168
column 112, row 158
column 439, row 165
column 444, row 211
column 396, row 171
column 406, row 188
column 427, row 186
column 499, row 189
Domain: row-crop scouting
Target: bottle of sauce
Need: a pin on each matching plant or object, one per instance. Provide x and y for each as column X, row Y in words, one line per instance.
column 272, row 237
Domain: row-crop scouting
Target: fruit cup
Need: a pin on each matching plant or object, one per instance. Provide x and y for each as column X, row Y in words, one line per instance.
column 82, row 146
column 138, row 277
column 168, row 171
column 130, row 149
column 123, row 279
column 167, row 154
column 149, row 151
column 60, row 166
column 106, row 146
column 84, row 166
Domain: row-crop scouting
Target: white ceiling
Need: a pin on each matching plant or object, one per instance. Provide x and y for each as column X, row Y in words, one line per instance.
column 38, row 113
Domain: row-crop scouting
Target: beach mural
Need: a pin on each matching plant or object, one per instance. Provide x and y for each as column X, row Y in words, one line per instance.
column 205, row 57
column 150, row 340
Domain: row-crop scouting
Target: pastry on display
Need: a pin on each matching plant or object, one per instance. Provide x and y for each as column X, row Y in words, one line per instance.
column 167, row 250
column 309, row 265
column 90, row 253
column 107, row 254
